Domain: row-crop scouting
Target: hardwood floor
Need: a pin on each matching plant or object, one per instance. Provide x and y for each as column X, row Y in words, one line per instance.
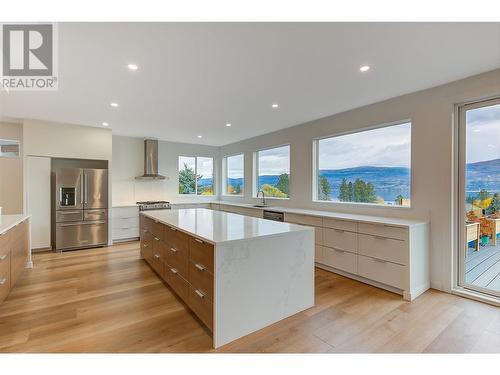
column 109, row 300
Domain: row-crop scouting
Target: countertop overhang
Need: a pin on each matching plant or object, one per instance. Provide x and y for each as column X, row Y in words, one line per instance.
column 218, row 227
column 9, row 221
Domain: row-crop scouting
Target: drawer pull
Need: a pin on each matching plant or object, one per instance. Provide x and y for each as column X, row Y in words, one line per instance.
column 157, row 222
column 173, row 249
column 200, row 293
column 146, row 245
column 201, row 267
column 125, row 228
column 157, row 256
column 379, row 237
column 198, row 240
column 145, row 230
column 338, row 230
column 2, row 257
column 379, row 260
column 3, row 281
column 156, row 238
column 339, row 251
column 172, row 228
column 174, row 271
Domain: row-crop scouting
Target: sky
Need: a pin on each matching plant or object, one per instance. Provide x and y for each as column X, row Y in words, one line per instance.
column 483, row 134
column 235, row 166
column 274, row 161
column 389, row 146
column 205, row 165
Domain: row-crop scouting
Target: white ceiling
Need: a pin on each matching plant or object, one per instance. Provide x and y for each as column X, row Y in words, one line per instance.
column 194, row 78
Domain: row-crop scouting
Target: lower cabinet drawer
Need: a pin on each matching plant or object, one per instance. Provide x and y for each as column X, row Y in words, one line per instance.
column 202, row 252
column 124, row 233
column 202, row 306
column 4, row 285
column 340, row 259
column 201, row 279
column 340, row 239
column 384, row 248
column 384, row 230
column 5, row 264
column 177, row 282
column 382, row 271
column 318, row 254
column 178, row 259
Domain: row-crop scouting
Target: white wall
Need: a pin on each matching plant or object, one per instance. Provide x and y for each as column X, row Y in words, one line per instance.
column 432, row 114
column 11, row 173
column 128, row 162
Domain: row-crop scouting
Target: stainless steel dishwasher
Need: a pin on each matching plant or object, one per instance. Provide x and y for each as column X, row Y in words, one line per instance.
column 273, row 215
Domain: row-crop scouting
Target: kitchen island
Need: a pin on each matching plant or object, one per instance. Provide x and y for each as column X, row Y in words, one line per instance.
column 237, row 273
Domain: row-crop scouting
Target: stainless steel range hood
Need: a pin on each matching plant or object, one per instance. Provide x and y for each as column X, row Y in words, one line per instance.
column 150, row 161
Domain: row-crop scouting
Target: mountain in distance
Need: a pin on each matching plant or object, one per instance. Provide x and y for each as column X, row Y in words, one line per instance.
column 390, row 182
column 483, row 175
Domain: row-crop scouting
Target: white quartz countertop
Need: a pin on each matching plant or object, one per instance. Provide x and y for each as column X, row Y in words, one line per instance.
column 334, row 215
column 216, row 226
column 9, row 221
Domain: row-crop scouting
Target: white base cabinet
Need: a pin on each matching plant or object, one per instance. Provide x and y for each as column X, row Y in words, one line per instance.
column 391, row 256
column 125, row 222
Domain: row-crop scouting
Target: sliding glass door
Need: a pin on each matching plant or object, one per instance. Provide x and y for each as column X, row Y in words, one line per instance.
column 479, row 197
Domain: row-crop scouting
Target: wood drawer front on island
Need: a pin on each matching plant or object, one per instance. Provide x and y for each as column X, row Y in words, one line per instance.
column 340, row 259
column 202, row 306
column 146, row 224
column 177, row 239
column 382, row 271
column 157, row 259
column 177, row 282
column 385, row 248
column 177, row 258
column 147, row 246
column 5, row 243
column 340, row 239
column 200, row 278
column 4, row 274
column 201, row 252
column 158, row 230
column 383, row 230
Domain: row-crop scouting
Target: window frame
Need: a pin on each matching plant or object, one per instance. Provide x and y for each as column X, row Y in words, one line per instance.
column 225, row 174
column 255, row 177
column 195, row 194
column 315, row 157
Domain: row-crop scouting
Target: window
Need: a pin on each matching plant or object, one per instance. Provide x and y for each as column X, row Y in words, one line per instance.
column 196, row 175
column 9, row 148
column 234, row 175
column 371, row 166
column 273, row 172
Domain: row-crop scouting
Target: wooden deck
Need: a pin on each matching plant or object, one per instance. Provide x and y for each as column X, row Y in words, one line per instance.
column 482, row 268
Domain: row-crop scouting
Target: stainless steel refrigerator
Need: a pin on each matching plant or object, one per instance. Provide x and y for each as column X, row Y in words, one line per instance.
column 81, row 208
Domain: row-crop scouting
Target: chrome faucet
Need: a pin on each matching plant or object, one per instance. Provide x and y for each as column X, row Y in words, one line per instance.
column 263, row 197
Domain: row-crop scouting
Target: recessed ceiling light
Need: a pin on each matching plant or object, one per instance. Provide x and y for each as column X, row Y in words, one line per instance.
column 228, row 125
column 275, row 105
column 105, row 124
column 113, row 104
column 132, row 67
column 199, row 136
column 364, row 68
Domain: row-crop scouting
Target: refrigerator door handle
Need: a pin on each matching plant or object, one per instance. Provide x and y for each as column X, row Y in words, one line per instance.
column 81, row 189
column 86, row 187
column 87, row 223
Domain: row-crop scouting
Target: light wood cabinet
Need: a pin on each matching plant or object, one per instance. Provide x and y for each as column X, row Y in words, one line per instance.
column 14, row 250
column 184, row 262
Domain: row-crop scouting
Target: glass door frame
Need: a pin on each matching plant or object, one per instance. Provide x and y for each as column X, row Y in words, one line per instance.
column 459, row 266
